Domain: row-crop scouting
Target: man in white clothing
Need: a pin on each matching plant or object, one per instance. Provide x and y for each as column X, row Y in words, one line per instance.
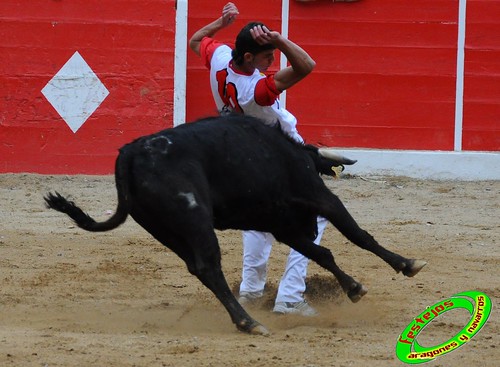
column 239, row 85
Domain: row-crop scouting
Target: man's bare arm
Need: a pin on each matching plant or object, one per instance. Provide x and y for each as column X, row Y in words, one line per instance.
column 301, row 64
column 229, row 14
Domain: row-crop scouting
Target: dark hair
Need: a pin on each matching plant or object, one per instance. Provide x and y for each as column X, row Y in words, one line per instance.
column 245, row 43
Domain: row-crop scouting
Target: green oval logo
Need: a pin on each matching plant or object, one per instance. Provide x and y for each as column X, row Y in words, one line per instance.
column 408, row 349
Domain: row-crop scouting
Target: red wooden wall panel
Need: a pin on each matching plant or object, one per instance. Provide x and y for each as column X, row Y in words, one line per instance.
column 385, row 75
column 386, row 71
column 481, row 117
column 127, row 43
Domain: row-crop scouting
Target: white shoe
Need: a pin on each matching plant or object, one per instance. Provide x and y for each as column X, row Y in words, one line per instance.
column 298, row 308
column 249, row 297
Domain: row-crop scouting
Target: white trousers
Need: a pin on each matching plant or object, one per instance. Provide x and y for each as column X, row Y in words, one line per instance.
column 256, row 250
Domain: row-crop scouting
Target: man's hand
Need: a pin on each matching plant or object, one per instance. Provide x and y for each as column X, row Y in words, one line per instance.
column 262, row 35
column 229, row 14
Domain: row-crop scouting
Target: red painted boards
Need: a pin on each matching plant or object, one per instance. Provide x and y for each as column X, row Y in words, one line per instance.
column 127, row 44
column 385, row 75
column 481, row 117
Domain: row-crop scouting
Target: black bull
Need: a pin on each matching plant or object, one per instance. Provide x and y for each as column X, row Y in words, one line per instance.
column 230, row 172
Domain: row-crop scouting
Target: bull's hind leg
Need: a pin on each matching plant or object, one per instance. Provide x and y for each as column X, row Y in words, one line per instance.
column 195, row 242
column 204, row 261
column 207, row 267
column 338, row 215
column 324, row 258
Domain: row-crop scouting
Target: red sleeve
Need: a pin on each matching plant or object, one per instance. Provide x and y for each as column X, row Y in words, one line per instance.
column 207, row 48
column 265, row 91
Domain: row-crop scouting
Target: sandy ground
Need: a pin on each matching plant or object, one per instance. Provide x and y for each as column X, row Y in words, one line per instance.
column 73, row 298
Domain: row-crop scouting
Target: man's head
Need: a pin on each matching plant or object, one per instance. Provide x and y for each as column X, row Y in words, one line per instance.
column 247, row 50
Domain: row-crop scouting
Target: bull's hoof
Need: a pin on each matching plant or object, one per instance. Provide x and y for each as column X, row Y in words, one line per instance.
column 414, row 267
column 254, row 328
column 356, row 293
column 259, row 330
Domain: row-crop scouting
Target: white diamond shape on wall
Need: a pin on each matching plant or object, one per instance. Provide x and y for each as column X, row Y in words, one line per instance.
column 75, row 92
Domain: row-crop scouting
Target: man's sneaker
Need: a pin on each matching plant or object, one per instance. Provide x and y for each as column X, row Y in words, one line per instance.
column 249, row 297
column 299, row 308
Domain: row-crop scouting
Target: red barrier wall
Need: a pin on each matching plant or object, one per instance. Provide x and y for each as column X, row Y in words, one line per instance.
column 481, row 118
column 385, row 76
column 129, row 46
column 386, row 71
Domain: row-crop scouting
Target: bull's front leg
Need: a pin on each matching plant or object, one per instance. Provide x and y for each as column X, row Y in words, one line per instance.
column 338, row 215
column 324, row 258
column 409, row 267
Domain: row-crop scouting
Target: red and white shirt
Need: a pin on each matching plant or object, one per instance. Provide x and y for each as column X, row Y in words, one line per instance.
column 252, row 94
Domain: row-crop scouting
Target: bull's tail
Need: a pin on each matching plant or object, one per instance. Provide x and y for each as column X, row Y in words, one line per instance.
column 83, row 220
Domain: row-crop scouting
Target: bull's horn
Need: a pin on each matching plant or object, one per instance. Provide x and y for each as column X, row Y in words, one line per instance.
column 336, row 157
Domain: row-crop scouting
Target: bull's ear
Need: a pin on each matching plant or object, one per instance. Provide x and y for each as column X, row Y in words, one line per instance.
column 324, row 166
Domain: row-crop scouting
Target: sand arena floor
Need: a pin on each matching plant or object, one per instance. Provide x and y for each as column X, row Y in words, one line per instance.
column 73, row 298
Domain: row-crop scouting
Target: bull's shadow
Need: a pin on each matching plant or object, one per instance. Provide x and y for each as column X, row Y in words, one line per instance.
column 231, row 172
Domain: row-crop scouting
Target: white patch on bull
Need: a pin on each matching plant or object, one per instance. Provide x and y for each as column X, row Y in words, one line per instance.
column 190, row 199
column 159, row 144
